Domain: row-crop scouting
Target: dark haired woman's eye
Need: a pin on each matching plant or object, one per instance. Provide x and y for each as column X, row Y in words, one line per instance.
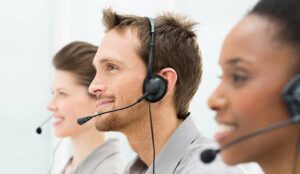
column 238, row 79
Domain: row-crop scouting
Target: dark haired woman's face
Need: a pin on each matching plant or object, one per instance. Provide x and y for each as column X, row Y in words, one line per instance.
column 255, row 69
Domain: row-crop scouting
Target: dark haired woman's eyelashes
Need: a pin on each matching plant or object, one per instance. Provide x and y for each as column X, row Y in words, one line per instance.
column 236, row 78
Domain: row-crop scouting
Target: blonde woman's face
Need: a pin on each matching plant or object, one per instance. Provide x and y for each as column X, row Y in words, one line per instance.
column 69, row 102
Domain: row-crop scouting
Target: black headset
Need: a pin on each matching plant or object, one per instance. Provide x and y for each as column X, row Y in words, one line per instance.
column 155, row 85
column 291, row 96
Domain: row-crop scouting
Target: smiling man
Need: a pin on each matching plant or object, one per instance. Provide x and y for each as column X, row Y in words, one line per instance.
column 122, row 67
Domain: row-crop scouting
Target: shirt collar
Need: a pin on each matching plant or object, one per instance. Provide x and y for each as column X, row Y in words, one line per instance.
column 99, row 154
column 173, row 151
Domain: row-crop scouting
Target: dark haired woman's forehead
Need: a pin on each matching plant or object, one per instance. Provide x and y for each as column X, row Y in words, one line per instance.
column 251, row 44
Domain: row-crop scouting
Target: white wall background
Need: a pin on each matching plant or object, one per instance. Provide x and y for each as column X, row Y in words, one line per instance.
column 32, row 31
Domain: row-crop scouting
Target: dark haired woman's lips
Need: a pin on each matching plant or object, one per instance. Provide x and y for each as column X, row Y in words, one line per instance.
column 224, row 132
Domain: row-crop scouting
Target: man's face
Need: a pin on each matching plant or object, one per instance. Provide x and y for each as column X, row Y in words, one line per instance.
column 119, row 80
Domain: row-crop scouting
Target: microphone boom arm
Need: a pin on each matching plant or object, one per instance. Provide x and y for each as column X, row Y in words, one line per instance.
column 83, row 120
column 281, row 124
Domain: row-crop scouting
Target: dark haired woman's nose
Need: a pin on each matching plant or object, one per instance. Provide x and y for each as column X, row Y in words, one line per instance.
column 216, row 102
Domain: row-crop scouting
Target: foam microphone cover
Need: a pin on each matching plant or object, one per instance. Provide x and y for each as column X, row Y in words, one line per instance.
column 208, row 156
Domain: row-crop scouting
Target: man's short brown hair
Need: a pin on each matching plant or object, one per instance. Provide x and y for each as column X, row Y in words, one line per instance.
column 175, row 47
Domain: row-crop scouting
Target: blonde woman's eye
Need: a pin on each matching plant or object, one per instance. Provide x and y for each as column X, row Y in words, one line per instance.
column 61, row 93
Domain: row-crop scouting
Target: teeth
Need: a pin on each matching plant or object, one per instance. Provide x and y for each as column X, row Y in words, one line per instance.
column 57, row 119
column 221, row 128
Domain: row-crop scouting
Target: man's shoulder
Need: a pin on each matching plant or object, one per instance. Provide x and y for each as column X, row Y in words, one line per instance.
column 135, row 166
column 191, row 163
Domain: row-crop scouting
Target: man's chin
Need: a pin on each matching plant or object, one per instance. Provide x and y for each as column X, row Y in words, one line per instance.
column 108, row 122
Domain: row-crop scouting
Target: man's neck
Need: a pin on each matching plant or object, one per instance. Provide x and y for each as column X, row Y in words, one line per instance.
column 165, row 122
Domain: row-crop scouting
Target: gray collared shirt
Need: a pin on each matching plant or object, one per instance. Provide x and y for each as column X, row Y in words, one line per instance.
column 180, row 155
column 105, row 159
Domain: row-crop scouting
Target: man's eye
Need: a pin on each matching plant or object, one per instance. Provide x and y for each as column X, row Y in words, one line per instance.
column 111, row 67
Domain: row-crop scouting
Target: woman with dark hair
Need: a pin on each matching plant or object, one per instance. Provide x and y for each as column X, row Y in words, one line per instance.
column 260, row 59
column 74, row 71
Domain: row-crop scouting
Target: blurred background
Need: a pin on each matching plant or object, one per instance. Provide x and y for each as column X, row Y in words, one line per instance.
column 32, row 31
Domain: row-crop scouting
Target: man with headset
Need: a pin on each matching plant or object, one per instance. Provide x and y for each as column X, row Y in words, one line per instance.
column 157, row 62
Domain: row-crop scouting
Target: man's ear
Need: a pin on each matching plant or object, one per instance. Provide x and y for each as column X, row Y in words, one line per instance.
column 170, row 75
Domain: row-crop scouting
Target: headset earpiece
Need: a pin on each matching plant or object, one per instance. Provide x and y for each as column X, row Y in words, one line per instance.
column 157, row 88
column 291, row 95
column 154, row 84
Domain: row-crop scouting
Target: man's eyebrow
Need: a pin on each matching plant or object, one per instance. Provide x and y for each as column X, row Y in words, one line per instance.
column 107, row 59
